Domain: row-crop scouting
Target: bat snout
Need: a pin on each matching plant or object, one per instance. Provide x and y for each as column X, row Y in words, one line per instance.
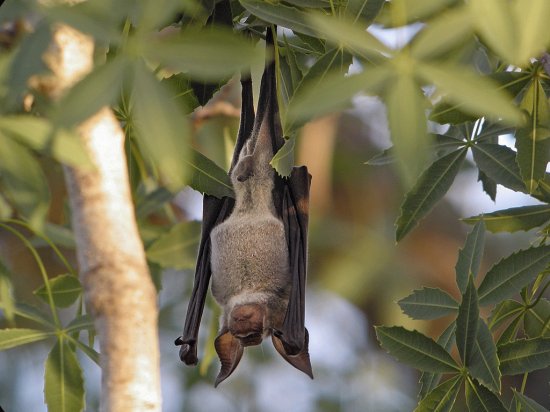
column 247, row 323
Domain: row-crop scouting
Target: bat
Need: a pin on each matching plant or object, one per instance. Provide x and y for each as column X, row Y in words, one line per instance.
column 254, row 247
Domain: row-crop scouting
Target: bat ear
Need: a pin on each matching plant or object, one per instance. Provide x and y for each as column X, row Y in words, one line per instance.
column 230, row 351
column 301, row 360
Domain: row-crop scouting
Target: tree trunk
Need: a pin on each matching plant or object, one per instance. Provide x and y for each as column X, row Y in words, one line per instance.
column 119, row 291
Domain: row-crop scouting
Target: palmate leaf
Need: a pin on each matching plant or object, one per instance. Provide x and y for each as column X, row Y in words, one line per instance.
column 429, row 380
column 100, row 88
column 10, row 338
column 481, row 399
column 467, row 322
column 524, row 355
column 533, row 140
column 509, row 334
column 428, row 190
column 63, row 380
column 511, row 274
column 443, row 33
column 415, row 349
column 227, row 55
column 528, row 404
column 484, row 364
column 503, row 311
column 66, row 289
column 469, row 257
column 366, row 9
column 537, row 319
column 177, row 247
column 281, row 15
column 332, row 63
column 161, row 131
column 428, row 303
column 442, row 398
column 475, row 94
column 499, row 163
column 334, row 93
column 352, row 35
column 513, row 219
column 24, row 182
column 283, row 161
column 206, row 176
column 39, row 134
column 406, row 105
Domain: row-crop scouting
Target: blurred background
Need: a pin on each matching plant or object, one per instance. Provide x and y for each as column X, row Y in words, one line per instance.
column 356, row 275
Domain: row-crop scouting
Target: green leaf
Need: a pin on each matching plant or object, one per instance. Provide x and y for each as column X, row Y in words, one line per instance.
column 495, row 22
column 28, row 60
column 152, row 201
column 469, row 257
column 524, row 355
column 503, row 311
column 489, row 185
column 333, row 94
column 483, row 360
column 63, row 380
column 367, row 9
column 527, row 404
column 537, row 319
column 281, row 15
column 447, row 30
column 210, row 55
column 102, row 87
column 510, row 332
column 89, row 17
column 38, row 134
column 467, row 322
column 208, row 177
column 36, row 315
column 89, row 351
column 406, row 106
column 428, row 303
column 82, row 322
column 535, row 37
column 176, row 248
column 499, row 163
column 513, row 219
column 24, row 182
column 508, row 276
column 481, row 399
column 7, row 303
column 161, row 130
column 475, row 94
column 533, row 141
column 10, row 338
column 283, row 161
column 428, row 190
column 332, row 63
column 346, row 33
column 429, row 380
column 415, row 349
column 442, row 398
column 66, row 289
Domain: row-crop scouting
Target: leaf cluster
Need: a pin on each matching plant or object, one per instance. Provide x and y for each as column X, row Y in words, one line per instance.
column 515, row 339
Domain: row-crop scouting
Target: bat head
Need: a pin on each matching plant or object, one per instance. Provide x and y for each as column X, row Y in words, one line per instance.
column 246, row 325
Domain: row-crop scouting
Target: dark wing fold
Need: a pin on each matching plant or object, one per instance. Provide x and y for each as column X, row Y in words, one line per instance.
column 215, row 211
column 293, row 335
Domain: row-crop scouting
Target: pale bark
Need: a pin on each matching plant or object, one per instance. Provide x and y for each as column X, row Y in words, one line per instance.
column 119, row 291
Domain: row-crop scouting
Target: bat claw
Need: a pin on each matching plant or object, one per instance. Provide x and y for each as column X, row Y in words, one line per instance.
column 188, row 351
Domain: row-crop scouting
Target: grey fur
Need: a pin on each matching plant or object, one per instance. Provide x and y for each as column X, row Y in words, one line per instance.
column 249, row 257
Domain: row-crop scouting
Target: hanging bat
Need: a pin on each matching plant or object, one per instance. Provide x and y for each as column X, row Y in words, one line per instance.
column 254, row 246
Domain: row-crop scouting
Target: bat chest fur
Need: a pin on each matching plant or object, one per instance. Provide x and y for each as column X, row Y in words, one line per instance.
column 249, row 255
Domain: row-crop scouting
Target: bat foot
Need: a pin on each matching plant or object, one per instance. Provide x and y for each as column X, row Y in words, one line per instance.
column 188, row 351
